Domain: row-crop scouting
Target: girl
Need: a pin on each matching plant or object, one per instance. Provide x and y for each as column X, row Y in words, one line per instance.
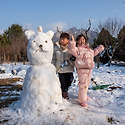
column 84, row 64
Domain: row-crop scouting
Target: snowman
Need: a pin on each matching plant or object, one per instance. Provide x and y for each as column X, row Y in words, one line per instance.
column 41, row 87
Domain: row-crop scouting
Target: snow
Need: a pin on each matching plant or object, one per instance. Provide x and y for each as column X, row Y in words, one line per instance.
column 9, row 67
column 40, row 102
column 105, row 106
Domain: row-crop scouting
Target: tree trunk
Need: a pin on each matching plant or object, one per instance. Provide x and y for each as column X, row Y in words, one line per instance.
column 97, row 60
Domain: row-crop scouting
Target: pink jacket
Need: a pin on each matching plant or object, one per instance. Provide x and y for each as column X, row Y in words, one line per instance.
column 84, row 55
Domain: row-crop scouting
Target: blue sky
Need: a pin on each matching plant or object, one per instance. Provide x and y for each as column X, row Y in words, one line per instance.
column 62, row 13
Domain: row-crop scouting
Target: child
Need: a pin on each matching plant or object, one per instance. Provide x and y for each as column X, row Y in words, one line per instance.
column 84, row 64
column 64, row 63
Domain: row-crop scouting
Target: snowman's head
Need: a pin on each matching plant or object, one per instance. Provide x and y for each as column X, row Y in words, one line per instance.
column 40, row 47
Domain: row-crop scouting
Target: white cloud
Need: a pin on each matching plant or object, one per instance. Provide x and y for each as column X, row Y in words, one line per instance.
column 93, row 20
column 61, row 26
column 1, row 31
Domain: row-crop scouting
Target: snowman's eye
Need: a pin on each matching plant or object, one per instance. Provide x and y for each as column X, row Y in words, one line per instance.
column 45, row 41
column 34, row 41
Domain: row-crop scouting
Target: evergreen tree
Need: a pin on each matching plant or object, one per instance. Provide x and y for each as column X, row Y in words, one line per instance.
column 120, row 50
column 121, row 34
column 106, row 39
column 14, row 44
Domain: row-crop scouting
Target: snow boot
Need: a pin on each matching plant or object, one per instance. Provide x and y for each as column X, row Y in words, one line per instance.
column 87, row 98
column 83, row 104
column 65, row 95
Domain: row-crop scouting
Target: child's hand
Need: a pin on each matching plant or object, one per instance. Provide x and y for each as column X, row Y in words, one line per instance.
column 72, row 37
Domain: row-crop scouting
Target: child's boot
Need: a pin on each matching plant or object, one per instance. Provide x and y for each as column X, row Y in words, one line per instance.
column 83, row 104
column 65, row 95
column 87, row 98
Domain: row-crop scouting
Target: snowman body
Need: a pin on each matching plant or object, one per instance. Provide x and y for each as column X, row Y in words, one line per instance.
column 41, row 87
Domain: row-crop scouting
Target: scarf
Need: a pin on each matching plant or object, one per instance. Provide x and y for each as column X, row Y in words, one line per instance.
column 64, row 47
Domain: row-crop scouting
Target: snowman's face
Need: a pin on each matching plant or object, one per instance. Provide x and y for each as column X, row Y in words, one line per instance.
column 40, row 49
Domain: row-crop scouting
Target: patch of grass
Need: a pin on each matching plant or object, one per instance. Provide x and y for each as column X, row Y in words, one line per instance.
column 8, row 91
column 5, row 102
column 3, row 121
column 112, row 120
column 9, row 81
column 10, row 87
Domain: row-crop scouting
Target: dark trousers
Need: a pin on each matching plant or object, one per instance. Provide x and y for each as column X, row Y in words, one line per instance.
column 65, row 80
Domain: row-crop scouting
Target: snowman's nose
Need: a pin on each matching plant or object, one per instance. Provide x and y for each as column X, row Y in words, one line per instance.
column 40, row 46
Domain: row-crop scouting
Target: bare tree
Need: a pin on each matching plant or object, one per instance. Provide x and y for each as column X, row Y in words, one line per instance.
column 113, row 26
column 86, row 32
column 59, row 30
column 111, row 54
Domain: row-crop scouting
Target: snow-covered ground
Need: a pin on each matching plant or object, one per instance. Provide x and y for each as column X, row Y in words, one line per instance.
column 105, row 106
